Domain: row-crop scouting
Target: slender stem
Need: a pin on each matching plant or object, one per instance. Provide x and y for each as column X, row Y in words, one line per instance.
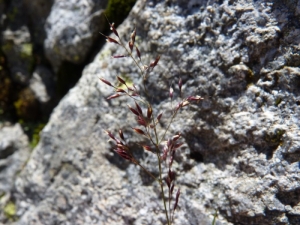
column 215, row 217
column 137, row 64
column 156, row 136
column 150, row 174
column 160, row 170
column 161, row 185
column 129, row 52
column 172, row 118
column 135, row 99
column 170, row 205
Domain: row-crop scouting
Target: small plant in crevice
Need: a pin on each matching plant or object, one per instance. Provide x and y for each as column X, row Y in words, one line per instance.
column 147, row 123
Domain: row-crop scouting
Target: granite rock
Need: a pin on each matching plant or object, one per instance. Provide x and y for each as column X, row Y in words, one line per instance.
column 17, row 48
column 241, row 143
column 42, row 84
column 71, row 29
column 22, row 32
column 14, row 153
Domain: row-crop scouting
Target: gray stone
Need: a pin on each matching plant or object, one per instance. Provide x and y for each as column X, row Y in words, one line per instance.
column 14, row 153
column 241, row 143
column 18, row 48
column 37, row 12
column 42, row 84
column 71, row 29
column 22, row 32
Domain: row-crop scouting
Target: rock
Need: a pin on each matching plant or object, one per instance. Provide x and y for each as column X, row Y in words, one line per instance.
column 14, row 153
column 43, row 86
column 21, row 20
column 241, row 143
column 17, row 48
column 71, row 28
column 37, row 12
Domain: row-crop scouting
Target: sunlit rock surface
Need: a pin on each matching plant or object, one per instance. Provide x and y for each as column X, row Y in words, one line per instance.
column 242, row 142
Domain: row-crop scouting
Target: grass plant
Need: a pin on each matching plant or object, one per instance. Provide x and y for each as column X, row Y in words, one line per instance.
column 147, row 122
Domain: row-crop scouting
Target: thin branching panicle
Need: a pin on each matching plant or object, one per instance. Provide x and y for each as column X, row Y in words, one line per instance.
column 147, row 122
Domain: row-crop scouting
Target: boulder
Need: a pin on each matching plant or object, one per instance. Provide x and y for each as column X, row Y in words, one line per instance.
column 241, row 143
column 14, row 153
column 71, row 29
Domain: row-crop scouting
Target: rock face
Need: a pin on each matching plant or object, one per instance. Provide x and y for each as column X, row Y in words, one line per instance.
column 14, row 152
column 17, row 47
column 39, row 39
column 242, row 142
column 22, row 29
column 71, row 28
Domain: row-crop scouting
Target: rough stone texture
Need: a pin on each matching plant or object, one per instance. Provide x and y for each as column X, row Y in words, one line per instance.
column 42, row 84
column 14, row 152
column 37, row 12
column 22, row 30
column 17, row 48
column 242, row 142
column 71, row 28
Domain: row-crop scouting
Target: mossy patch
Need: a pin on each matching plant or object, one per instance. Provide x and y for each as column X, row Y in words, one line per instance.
column 32, row 130
column 250, row 77
column 278, row 101
column 36, row 134
column 117, row 10
column 8, row 46
column 26, row 50
column 275, row 138
column 12, row 14
column 26, row 53
column 10, row 210
column 76, row 58
column 26, row 106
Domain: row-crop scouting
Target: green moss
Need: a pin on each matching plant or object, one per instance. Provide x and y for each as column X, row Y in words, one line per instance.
column 12, row 14
column 26, row 53
column 36, row 134
column 117, row 10
column 278, row 101
column 26, row 106
column 32, row 130
column 76, row 58
column 26, row 50
column 250, row 77
column 275, row 138
column 10, row 210
column 8, row 46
